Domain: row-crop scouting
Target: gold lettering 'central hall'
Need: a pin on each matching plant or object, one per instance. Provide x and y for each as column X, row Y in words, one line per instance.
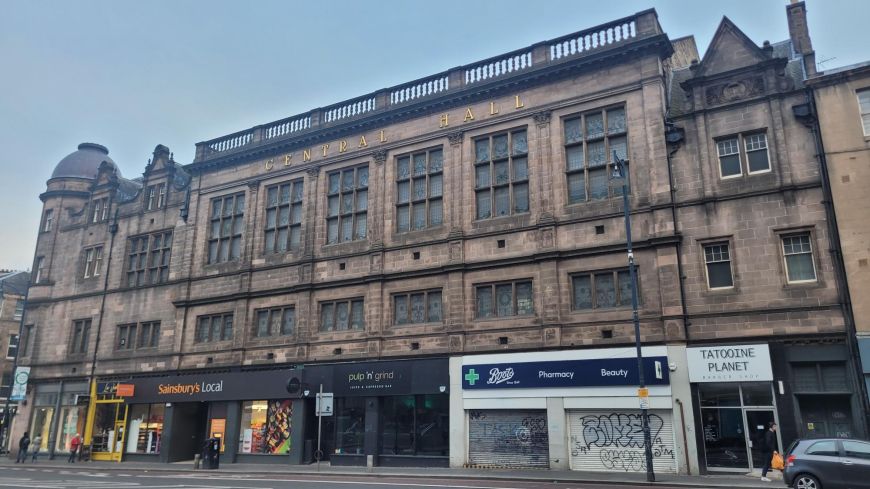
column 342, row 146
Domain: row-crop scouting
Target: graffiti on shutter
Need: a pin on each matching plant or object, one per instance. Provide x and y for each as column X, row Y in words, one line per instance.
column 613, row 441
column 504, row 438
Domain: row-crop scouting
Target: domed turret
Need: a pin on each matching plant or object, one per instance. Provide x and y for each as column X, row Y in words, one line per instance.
column 83, row 163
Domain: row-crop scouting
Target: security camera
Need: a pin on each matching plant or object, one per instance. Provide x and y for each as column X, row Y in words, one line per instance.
column 672, row 367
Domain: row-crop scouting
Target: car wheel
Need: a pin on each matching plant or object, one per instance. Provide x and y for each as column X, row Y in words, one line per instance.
column 806, row 481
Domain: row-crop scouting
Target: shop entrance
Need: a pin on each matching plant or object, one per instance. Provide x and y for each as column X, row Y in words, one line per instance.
column 189, row 420
column 734, row 418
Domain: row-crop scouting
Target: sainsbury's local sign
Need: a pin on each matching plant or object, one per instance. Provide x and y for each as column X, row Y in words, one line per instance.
column 729, row 363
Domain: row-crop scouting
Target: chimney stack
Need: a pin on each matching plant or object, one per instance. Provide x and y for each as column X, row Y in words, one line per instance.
column 800, row 35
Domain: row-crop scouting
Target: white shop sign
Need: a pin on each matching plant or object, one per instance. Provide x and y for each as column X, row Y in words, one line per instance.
column 729, row 363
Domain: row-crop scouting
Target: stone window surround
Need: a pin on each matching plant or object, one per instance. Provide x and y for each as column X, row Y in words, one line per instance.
column 134, row 333
column 513, row 182
column 334, row 303
column 742, row 152
column 292, row 182
column 148, row 267
column 222, row 336
column 235, row 216
column 99, row 210
column 355, row 212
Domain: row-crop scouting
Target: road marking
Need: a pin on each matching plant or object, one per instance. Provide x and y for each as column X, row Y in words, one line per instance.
column 314, row 481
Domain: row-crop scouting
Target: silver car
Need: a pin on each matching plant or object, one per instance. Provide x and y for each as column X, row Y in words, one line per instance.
column 829, row 463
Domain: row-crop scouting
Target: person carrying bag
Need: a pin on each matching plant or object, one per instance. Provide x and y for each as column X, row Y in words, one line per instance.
column 769, row 450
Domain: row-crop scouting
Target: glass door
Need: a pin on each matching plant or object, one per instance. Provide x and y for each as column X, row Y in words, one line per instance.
column 724, row 439
column 757, row 421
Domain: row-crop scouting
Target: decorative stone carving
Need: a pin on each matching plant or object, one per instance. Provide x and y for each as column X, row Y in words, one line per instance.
column 254, row 184
column 542, row 118
column 456, row 138
column 313, row 172
column 735, row 90
column 380, row 156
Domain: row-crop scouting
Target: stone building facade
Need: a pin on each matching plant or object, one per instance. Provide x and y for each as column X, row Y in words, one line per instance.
column 13, row 287
column 413, row 251
column 839, row 115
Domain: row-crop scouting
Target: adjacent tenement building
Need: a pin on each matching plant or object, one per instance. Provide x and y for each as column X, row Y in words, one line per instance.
column 13, row 288
column 447, row 258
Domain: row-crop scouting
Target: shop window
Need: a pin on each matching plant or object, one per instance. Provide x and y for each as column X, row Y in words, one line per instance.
column 757, row 394
column 501, row 175
column 415, row 425
column 41, row 424
column 145, row 428
column 419, row 190
column 719, row 395
column 347, row 205
column 504, row 299
column 820, row 377
column 589, row 154
column 417, row 307
column 266, row 426
column 283, row 230
column 71, row 421
column 342, row 315
column 602, row 290
column 349, row 414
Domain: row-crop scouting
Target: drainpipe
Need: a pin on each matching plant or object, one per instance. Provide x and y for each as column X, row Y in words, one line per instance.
column 674, row 137
column 808, row 115
column 113, row 230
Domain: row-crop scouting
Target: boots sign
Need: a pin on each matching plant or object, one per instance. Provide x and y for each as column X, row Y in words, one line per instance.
column 729, row 363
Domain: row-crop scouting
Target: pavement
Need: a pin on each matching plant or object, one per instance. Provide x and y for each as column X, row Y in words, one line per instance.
column 428, row 473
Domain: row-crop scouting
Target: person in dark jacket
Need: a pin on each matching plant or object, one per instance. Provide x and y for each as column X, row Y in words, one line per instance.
column 23, row 445
column 769, row 446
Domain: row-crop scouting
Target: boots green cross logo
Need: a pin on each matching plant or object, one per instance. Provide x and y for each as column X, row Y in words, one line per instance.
column 471, row 376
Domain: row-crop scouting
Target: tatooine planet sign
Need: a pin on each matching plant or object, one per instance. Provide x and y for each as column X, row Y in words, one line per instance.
column 729, row 363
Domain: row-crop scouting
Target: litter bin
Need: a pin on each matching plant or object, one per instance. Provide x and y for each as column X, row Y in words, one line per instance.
column 210, row 453
column 215, row 452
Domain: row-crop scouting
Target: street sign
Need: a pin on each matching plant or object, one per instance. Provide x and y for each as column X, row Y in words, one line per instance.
column 323, row 405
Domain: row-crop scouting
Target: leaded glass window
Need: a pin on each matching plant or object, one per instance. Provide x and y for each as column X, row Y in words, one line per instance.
column 343, row 315
column 590, row 141
column 419, row 190
column 283, row 230
column 148, row 259
column 227, row 222
column 501, row 174
column 602, row 290
column 213, row 327
column 347, row 205
column 417, row 307
column 504, row 299
column 277, row 321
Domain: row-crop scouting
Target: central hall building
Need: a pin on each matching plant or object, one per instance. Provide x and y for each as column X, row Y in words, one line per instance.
column 447, row 258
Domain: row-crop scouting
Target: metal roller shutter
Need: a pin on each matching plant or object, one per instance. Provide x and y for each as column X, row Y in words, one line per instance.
column 505, row 438
column 612, row 441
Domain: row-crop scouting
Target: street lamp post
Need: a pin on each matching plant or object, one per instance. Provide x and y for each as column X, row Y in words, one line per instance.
column 620, row 173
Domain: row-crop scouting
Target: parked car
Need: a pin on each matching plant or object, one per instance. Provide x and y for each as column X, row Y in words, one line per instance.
column 829, row 463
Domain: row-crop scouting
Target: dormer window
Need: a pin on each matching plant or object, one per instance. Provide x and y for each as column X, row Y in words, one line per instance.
column 100, row 210
column 155, row 196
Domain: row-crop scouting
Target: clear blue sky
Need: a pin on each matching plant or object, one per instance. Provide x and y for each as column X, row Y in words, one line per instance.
column 131, row 75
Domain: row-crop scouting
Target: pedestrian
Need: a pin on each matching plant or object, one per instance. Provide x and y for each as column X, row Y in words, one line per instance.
column 36, row 444
column 74, row 445
column 23, row 444
column 769, row 446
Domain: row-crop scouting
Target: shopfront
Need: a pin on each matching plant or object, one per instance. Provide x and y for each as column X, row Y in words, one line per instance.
column 251, row 413
column 58, row 413
column 521, row 408
column 736, row 403
column 396, row 411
